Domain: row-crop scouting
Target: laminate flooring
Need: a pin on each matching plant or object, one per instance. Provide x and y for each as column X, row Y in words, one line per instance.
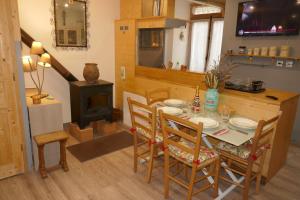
column 111, row 177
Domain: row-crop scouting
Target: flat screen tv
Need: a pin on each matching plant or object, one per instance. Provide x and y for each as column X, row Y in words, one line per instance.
column 268, row 18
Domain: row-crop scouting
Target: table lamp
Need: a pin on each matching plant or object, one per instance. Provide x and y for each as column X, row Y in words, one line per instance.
column 41, row 61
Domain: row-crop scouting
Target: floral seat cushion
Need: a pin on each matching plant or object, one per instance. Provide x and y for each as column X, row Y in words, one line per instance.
column 242, row 151
column 158, row 137
column 204, row 155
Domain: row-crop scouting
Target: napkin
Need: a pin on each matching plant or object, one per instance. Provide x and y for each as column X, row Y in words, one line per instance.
column 221, row 132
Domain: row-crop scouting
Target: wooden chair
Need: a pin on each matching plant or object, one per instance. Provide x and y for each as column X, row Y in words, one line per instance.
column 186, row 149
column 144, row 128
column 248, row 160
column 157, row 95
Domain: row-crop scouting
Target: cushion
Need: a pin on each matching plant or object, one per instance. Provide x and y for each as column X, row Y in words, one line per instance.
column 158, row 136
column 242, row 151
column 204, row 155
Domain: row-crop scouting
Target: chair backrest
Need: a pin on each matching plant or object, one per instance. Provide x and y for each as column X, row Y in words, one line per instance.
column 263, row 134
column 157, row 95
column 169, row 126
column 142, row 117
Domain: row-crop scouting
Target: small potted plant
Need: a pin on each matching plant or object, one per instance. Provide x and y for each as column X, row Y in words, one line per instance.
column 215, row 79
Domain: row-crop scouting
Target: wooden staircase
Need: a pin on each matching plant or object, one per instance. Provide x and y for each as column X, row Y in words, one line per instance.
column 27, row 39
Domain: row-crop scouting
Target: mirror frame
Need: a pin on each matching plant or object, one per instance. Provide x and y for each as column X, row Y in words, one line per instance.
column 54, row 32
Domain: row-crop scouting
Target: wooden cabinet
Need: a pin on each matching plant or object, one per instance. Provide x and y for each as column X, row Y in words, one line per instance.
column 11, row 124
column 130, row 9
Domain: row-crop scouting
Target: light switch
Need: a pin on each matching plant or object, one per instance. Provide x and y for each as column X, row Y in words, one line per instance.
column 289, row 64
column 279, row 63
column 123, row 73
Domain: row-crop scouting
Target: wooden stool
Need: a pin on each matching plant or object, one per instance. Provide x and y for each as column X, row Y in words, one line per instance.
column 41, row 140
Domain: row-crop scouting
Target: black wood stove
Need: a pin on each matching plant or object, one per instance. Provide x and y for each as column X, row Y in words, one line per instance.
column 91, row 101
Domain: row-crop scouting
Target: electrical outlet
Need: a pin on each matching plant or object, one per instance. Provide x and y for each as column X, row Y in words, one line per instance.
column 123, row 73
column 279, row 63
column 289, row 64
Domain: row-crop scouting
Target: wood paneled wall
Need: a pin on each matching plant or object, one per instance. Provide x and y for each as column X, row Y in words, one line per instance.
column 11, row 123
column 130, row 9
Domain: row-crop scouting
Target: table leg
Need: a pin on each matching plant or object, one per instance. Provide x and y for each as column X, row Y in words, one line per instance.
column 230, row 174
column 63, row 157
column 42, row 167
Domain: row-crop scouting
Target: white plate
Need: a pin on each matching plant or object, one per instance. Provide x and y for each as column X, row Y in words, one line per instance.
column 171, row 110
column 174, row 102
column 208, row 123
column 243, row 123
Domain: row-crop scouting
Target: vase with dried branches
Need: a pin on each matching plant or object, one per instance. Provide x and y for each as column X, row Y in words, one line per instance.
column 215, row 80
column 37, row 62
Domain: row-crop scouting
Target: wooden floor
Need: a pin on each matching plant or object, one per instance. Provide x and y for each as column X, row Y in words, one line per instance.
column 112, row 177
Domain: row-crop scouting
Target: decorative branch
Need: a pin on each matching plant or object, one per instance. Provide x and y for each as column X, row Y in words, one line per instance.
column 219, row 73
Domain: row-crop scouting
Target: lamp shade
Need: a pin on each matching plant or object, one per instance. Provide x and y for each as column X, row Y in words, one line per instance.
column 28, row 64
column 45, row 60
column 36, row 48
column 46, row 65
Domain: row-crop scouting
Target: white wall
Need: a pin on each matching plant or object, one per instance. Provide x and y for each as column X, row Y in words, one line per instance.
column 102, row 14
column 180, row 47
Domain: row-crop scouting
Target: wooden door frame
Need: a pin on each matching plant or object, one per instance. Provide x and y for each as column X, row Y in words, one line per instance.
column 14, row 27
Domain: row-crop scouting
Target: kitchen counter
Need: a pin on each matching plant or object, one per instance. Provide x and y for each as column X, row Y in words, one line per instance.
column 282, row 96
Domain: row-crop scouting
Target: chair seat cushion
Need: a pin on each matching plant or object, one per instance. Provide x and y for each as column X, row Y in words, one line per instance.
column 204, row 155
column 242, row 151
column 158, row 135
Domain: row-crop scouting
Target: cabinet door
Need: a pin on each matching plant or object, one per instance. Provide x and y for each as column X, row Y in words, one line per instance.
column 11, row 133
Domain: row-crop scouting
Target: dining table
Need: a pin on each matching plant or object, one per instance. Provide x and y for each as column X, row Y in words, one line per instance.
column 224, row 132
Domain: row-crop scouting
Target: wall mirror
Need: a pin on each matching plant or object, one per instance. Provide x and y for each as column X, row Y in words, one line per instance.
column 70, row 23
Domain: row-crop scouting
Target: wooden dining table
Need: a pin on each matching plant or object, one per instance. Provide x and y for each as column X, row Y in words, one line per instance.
column 223, row 133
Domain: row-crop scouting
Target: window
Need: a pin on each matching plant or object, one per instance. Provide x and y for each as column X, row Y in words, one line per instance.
column 216, row 43
column 206, row 38
column 199, row 10
column 199, row 41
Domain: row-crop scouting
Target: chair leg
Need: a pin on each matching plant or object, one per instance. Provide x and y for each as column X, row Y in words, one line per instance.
column 247, row 183
column 258, row 179
column 259, row 173
column 150, row 164
column 216, row 178
column 192, row 181
column 166, row 173
column 186, row 171
column 135, row 156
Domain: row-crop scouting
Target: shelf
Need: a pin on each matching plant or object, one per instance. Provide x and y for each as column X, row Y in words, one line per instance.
column 253, row 56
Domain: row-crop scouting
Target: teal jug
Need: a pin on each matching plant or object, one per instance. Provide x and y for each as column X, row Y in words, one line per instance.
column 211, row 99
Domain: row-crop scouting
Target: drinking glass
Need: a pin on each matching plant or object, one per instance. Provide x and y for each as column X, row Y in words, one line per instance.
column 225, row 113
